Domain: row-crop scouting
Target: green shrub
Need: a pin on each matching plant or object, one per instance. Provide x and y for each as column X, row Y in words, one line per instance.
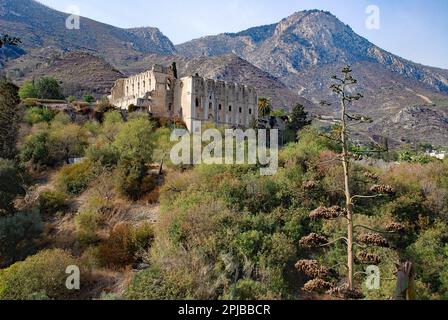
column 88, row 98
column 90, row 218
column 75, row 178
column 18, row 233
column 153, row 284
column 28, row 91
column 10, row 185
column 42, row 275
column 130, row 175
column 248, row 289
column 48, row 88
column 36, row 149
column 125, row 245
column 39, row 114
column 430, row 253
column 51, row 202
column 87, row 224
column 103, row 155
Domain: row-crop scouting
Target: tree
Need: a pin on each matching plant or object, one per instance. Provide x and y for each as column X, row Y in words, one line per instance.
column 10, row 186
column 264, row 106
column 67, row 142
column 135, row 140
column 36, row 149
column 39, row 114
column 18, row 233
column 6, row 40
column 10, row 115
column 342, row 88
column 174, row 66
column 130, row 175
column 113, row 122
column 298, row 119
column 163, row 146
column 48, row 88
column 88, row 98
column 28, row 90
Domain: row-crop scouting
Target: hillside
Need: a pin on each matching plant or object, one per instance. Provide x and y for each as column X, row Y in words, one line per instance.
column 418, row 121
column 39, row 26
column 78, row 72
column 291, row 61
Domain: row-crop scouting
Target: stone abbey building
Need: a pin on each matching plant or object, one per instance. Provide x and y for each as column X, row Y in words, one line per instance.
column 187, row 99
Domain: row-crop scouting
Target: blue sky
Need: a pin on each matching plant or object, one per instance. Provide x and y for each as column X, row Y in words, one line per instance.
column 413, row 29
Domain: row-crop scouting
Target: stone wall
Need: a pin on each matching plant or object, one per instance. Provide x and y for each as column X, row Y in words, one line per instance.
column 191, row 98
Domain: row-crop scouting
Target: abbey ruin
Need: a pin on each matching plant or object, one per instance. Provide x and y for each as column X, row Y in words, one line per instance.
column 188, row 99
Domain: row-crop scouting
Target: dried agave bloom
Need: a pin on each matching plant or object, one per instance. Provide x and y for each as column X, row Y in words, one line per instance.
column 309, row 185
column 317, row 285
column 352, row 294
column 383, row 189
column 328, row 213
column 371, row 176
column 373, row 239
column 368, row 258
column 312, row 269
column 313, row 241
column 395, row 227
column 346, row 293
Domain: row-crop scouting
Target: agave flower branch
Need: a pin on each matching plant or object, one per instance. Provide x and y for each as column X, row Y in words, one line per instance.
column 342, row 134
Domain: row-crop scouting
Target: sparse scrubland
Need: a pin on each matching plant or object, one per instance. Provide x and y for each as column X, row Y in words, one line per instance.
column 139, row 230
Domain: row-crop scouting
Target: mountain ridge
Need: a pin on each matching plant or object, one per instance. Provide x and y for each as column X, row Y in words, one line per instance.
column 291, row 61
column 40, row 26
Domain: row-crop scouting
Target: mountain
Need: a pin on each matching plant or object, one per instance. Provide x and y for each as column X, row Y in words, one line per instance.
column 418, row 121
column 79, row 73
column 39, row 26
column 291, row 61
column 306, row 48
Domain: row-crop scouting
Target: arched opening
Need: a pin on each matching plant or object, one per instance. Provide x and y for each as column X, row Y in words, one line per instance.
column 168, row 85
column 210, row 106
column 197, row 102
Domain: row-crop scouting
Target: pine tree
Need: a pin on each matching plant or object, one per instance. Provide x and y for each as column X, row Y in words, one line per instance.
column 299, row 118
column 9, row 119
column 174, row 66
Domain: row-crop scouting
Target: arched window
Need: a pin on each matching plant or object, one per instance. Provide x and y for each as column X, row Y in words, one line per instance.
column 197, row 102
column 230, row 108
column 220, row 107
column 210, row 106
